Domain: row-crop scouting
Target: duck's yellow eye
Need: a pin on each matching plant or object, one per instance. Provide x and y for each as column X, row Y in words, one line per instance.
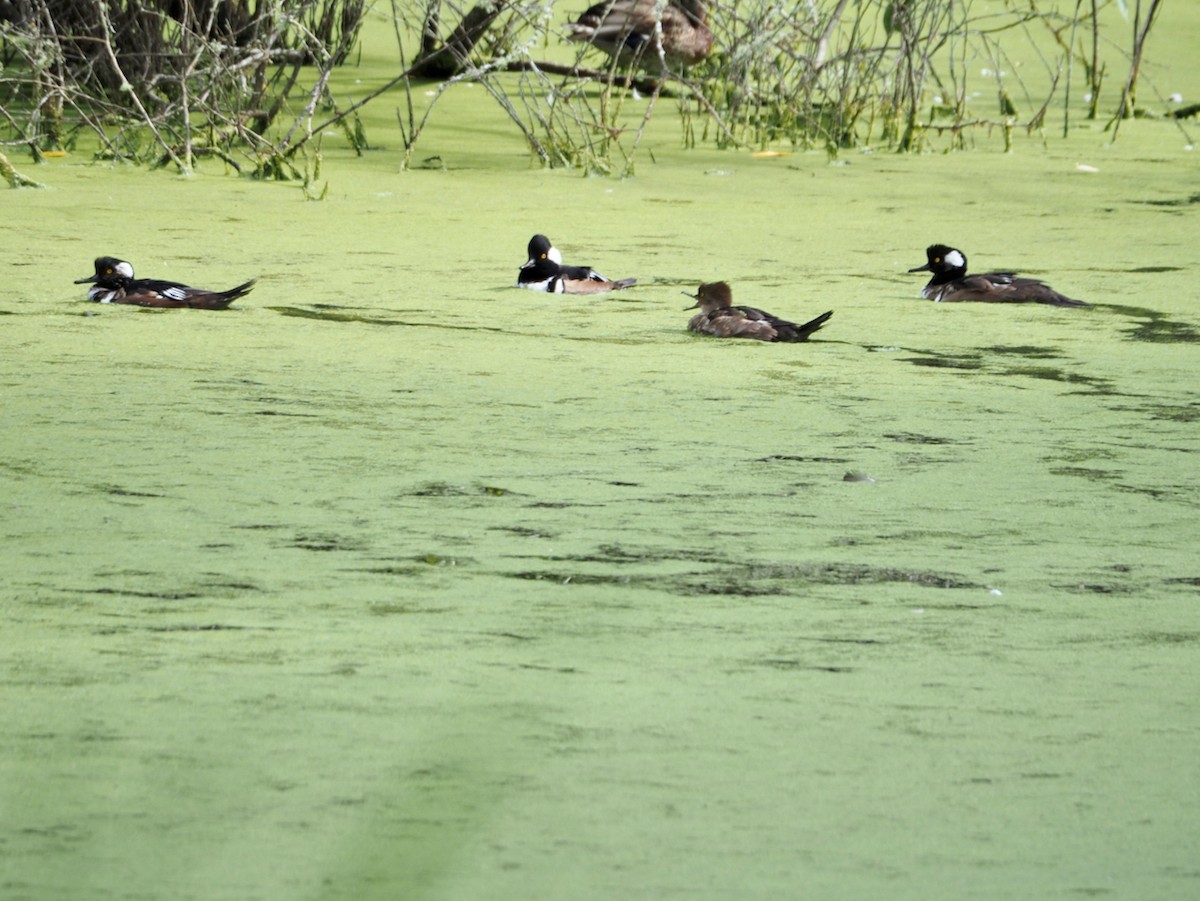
column 108, row 271
column 937, row 259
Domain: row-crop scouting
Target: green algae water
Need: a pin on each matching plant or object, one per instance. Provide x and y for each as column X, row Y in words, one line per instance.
column 397, row 582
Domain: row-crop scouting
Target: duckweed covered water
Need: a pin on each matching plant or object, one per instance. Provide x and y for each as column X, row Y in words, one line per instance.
column 395, row 581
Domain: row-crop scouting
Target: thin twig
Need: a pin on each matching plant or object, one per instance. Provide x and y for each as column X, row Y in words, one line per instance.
column 107, row 30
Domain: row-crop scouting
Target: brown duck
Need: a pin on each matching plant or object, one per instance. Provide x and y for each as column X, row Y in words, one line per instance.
column 627, row 30
column 719, row 317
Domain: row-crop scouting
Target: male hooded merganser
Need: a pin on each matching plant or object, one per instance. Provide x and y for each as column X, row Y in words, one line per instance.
column 544, row 271
column 719, row 317
column 632, row 29
column 114, row 283
column 950, row 282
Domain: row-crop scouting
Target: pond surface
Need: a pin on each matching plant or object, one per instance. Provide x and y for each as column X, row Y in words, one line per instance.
column 395, row 581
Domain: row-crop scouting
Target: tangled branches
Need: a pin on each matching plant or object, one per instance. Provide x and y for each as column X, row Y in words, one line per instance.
column 168, row 81
column 171, row 81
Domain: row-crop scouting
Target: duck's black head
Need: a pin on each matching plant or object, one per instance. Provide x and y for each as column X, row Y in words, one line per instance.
column 539, row 247
column 943, row 261
column 110, row 272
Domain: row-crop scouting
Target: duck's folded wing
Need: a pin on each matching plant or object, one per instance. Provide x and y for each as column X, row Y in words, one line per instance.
column 614, row 22
column 167, row 290
column 734, row 323
column 582, row 273
column 995, row 283
column 752, row 313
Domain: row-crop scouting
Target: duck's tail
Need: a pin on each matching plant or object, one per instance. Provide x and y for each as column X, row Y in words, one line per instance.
column 802, row 332
column 228, row 297
column 1061, row 300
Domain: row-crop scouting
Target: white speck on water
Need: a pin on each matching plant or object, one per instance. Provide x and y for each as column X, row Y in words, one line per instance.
column 1176, row 98
column 996, row 592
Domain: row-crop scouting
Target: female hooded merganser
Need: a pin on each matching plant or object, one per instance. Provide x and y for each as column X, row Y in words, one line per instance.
column 114, row 283
column 544, row 271
column 950, row 282
column 630, row 30
column 719, row 317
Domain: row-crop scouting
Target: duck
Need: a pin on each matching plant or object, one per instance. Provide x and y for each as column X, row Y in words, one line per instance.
column 545, row 271
column 950, row 282
column 113, row 282
column 719, row 317
column 630, row 31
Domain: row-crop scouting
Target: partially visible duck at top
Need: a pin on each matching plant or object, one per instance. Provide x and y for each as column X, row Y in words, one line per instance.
column 628, row 30
column 544, row 271
column 113, row 282
column 718, row 316
column 950, row 282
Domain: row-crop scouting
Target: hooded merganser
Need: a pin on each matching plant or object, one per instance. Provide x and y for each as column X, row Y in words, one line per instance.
column 950, row 282
column 114, row 283
column 544, row 271
column 719, row 317
column 632, row 29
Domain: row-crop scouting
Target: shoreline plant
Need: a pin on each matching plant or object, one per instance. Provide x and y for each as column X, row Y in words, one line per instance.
column 248, row 82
